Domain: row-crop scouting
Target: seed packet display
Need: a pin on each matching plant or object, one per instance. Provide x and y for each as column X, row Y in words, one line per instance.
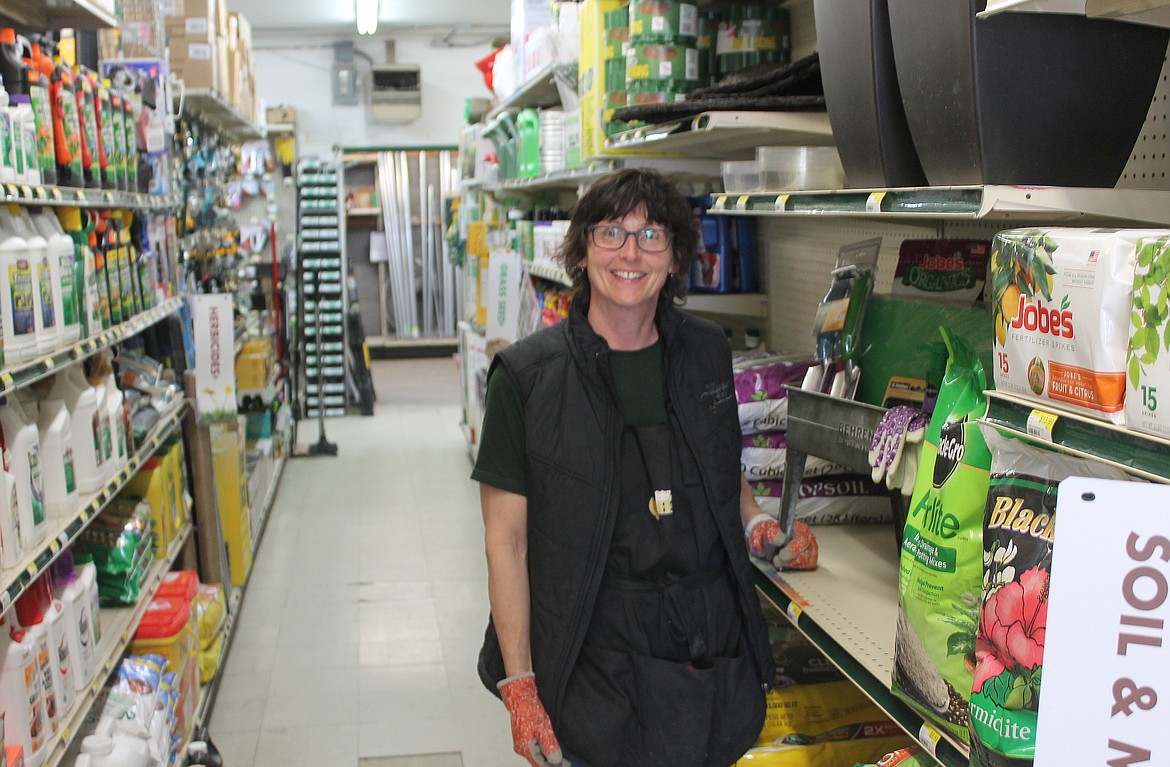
column 1062, row 308
column 941, row 270
column 940, row 567
column 1147, row 392
column 1018, row 535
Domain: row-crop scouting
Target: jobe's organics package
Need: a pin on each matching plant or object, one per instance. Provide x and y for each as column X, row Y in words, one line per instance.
column 1147, row 394
column 940, row 569
column 1062, row 307
column 1018, row 535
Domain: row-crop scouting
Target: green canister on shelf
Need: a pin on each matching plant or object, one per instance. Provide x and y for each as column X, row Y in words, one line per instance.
column 751, row 34
column 663, row 21
column 617, row 32
column 705, row 42
column 670, row 66
column 654, row 92
column 528, row 143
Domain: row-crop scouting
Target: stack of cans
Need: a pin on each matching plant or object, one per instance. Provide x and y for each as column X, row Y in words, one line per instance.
column 617, row 41
column 662, row 63
column 750, row 34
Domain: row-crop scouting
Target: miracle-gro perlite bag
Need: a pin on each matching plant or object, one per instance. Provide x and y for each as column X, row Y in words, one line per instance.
column 941, row 567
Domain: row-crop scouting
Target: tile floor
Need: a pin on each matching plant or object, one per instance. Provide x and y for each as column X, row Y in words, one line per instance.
column 366, row 605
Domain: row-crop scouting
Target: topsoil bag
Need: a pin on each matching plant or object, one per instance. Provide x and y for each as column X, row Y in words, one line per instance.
column 941, row 566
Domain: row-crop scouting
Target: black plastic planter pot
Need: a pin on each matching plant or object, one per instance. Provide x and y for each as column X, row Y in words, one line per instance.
column 1022, row 98
column 862, row 95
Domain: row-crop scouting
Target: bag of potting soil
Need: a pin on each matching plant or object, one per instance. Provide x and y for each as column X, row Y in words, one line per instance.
column 844, row 498
column 760, row 392
column 1019, row 524
column 941, row 565
column 765, row 455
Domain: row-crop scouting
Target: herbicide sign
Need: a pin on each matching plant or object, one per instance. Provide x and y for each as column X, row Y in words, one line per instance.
column 215, row 359
column 1106, row 697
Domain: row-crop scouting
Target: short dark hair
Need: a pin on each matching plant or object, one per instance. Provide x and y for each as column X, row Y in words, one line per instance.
column 615, row 196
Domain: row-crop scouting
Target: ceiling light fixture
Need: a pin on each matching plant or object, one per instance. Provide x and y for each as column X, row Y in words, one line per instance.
column 366, row 12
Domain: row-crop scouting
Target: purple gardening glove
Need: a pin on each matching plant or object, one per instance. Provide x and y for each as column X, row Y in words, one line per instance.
column 897, row 441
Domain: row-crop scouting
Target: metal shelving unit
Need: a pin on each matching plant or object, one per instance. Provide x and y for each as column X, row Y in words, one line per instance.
column 54, row 196
column 78, row 14
column 540, row 90
column 17, row 579
column 25, row 373
column 848, row 608
column 209, row 107
column 1143, row 455
column 754, row 305
column 321, row 279
column 1154, row 12
column 727, row 135
column 550, row 272
column 1064, row 205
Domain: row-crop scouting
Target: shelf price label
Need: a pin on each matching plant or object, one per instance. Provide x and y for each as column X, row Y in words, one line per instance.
column 794, row 611
column 720, row 203
column 1041, row 424
column 781, row 203
column 929, row 738
column 741, row 204
column 1117, row 702
column 874, row 203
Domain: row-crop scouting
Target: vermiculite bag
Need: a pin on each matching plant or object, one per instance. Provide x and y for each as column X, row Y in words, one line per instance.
column 1018, row 534
column 941, row 567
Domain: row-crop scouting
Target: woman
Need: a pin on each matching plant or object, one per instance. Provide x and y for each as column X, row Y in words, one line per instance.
column 624, row 625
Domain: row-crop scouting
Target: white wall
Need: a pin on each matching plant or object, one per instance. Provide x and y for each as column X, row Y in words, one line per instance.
column 296, row 72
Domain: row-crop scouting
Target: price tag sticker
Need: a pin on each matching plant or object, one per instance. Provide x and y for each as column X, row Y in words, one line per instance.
column 1041, row 424
column 63, row 538
column 874, row 203
column 5, row 601
column 55, row 193
column 77, row 351
column 40, row 193
column 742, row 203
column 54, row 546
column 720, row 202
column 6, row 380
column 929, row 737
column 794, row 611
column 26, row 192
column 781, row 203
column 80, row 194
column 50, row 363
column 10, row 190
column 32, row 569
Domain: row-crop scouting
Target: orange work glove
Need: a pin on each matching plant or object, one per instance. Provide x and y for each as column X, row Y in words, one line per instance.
column 761, row 531
column 532, row 733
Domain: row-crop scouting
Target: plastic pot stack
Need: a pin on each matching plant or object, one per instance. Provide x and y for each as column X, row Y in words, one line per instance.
column 662, row 63
column 617, row 40
column 750, row 34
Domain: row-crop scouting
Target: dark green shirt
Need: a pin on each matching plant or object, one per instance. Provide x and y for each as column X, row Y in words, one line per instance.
column 637, row 378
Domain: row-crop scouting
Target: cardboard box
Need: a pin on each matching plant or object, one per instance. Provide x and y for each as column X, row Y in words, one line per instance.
column 281, row 115
column 229, row 463
column 194, row 64
column 205, row 8
column 190, row 27
column 591, row 73
column 221, row 18
column 240, row 31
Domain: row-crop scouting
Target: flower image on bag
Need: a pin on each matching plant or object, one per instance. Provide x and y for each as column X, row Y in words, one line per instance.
column 1019, row 531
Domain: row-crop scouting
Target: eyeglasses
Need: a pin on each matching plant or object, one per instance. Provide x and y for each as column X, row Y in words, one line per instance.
column 613, row 237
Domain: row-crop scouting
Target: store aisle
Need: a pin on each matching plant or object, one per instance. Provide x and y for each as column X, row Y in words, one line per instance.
column 366, row 606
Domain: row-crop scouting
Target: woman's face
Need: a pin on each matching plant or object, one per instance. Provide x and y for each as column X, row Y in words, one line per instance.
column 627, row 278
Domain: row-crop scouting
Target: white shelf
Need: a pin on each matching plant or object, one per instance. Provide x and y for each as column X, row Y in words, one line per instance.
column 34, row 15
column 207, row 105
column 727, row 135
column 752, row 305
column 68, row 196
column 1034, row 204
column 540, row 90
column 548, row 272
column 1153, row 12
column 852, row 599
column 270, row 494
column 393, row 342
column 568, row 179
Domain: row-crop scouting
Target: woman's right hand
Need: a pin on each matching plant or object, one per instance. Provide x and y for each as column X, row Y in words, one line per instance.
column 532, row 733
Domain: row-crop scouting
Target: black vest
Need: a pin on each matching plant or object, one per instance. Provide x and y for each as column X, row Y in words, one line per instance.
column 573, row 429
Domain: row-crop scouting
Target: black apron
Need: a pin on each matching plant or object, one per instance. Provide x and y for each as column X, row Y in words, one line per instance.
column 664, row 676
